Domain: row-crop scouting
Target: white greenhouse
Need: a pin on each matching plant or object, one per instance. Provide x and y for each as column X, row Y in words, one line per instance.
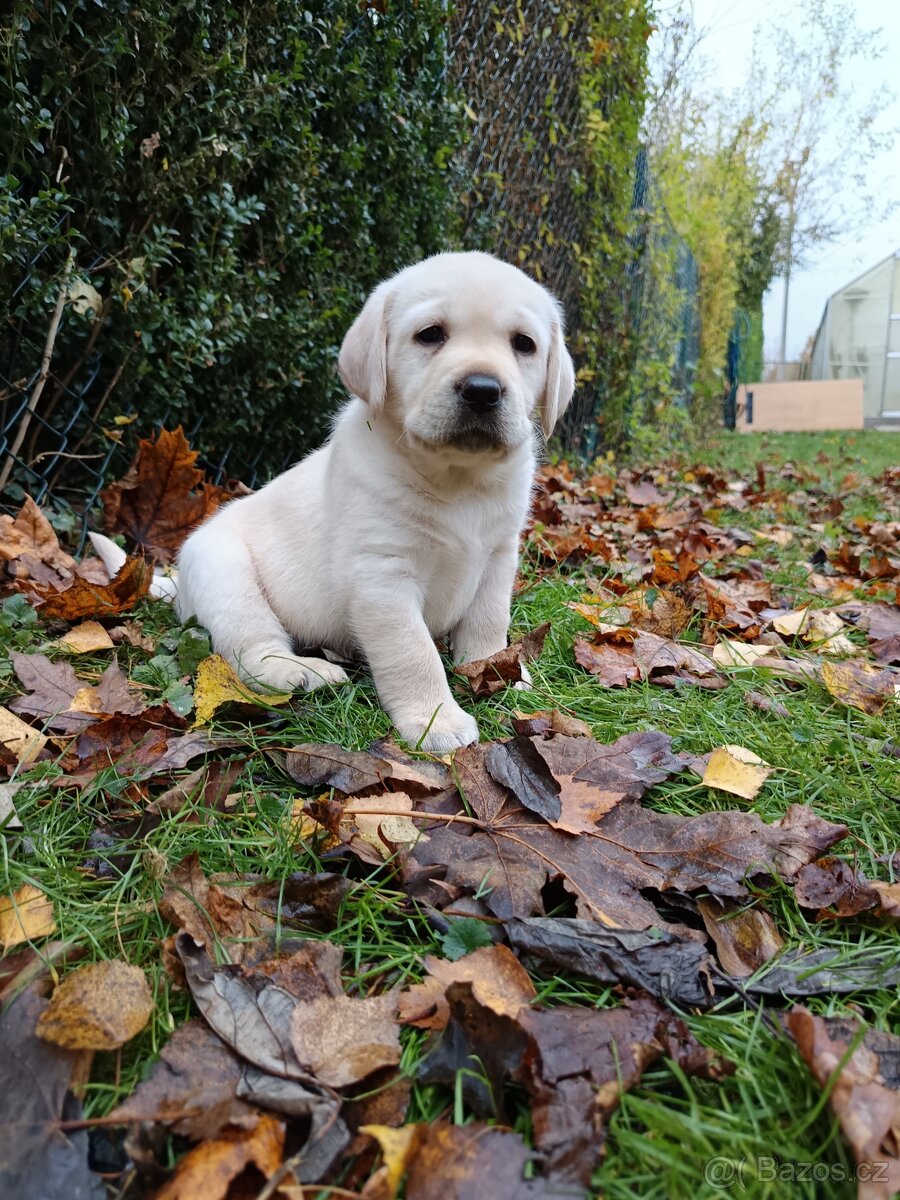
column 859, row 338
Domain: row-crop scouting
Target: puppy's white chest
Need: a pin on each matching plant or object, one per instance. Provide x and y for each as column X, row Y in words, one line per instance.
column 453, row 558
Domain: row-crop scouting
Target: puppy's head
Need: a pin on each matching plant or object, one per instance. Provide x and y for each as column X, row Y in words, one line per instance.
column 462, row 350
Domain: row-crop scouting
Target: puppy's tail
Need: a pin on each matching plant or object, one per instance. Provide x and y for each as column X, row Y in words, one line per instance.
column 163, row 587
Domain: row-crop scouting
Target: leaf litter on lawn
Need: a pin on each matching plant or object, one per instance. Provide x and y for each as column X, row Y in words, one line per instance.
column 514, row 835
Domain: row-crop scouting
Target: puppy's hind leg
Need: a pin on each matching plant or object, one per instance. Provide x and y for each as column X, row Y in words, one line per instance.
column 218, row 585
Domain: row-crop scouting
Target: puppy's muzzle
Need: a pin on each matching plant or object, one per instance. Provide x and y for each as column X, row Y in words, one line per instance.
column 481, row 394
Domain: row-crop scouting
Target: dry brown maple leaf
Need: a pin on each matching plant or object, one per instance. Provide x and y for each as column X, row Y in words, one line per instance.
column 486, row 676
column 613, row 665
column 65, row 702
column 31, row 549
column 84, row 598
column 511, row 853
column 162, row 497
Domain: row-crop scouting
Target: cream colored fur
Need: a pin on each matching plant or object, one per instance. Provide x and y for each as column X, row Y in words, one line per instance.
column 404, row 526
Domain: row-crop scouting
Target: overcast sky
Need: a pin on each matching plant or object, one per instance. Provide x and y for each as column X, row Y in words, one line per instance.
column 729, row 26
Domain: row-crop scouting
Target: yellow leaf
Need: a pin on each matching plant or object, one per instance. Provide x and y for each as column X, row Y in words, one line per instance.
column 86, row 637
column 736, row 770
column 385, row 832
column 791, row 623
column 397, row 1147
column 87, row 700
column 20, row 739
column 98, row 1007
column 85, row 299
column 860, row 685
column 729, row 653
column 217, row 684
column 781, row 537
column 25, row 916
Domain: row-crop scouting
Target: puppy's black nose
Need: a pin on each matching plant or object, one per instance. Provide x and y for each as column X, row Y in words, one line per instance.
column 480, row 392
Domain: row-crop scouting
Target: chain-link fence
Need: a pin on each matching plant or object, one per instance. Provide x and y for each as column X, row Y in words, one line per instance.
column 525, row 196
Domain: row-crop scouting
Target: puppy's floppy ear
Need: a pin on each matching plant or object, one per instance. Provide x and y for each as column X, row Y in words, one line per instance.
column 362, row 363
column 560, row 382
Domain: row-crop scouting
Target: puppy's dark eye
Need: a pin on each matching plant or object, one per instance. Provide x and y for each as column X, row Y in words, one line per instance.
column 434, row 335
column 523, row 344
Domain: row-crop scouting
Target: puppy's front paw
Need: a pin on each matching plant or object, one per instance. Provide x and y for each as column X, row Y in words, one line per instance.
column 450, row 729
column 290, row 673
column 526, row 683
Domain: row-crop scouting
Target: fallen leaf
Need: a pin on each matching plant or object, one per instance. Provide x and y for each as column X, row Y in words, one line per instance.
column 613, row 665
column 672, row 968
column 552, row 721
column 100, row 1006
column 745, row 936
column 862, row 1091
column 240, row 914
column 328, row 765
column 86, row 638
column 766, row 704
column 472, row 1162
column 31, row 550
column 659, row 611
column 790, row 624
column 735, row 605
column 41, row 1160
column 573, row 1062
column 488, row 676
column 397, row 1147
column 736, row 770
column 572, row 782
column 513, row 854
column 84, row 598
column 25, row 916
column 728, row 653
column 162, row 497
column 860, row 685
column 499, row 983
column 132, row 633
column 581, row 1062
column 22, row 741
column 65, row 702
column 662, row 661
column 343, row 1039
column 9, row 818
column 217, row 684
column 192, row 1088
column 252, row 1013
column 386, row 834
column 209, row 1169
column 837, row 889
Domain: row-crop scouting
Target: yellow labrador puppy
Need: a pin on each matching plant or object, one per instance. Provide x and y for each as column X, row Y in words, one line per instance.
column 404, row 526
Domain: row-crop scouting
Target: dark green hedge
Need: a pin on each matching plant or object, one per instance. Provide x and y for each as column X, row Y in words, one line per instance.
column 232, row 179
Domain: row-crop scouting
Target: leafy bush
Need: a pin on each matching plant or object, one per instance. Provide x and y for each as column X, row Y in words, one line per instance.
column 231, row 180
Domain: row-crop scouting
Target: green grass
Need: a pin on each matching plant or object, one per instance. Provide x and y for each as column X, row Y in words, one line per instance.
column 668, row 1129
